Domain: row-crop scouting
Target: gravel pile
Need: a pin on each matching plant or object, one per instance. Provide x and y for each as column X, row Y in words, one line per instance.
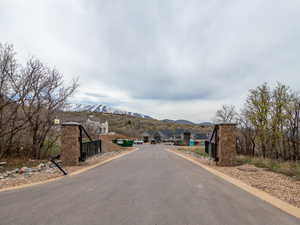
column 27, row 172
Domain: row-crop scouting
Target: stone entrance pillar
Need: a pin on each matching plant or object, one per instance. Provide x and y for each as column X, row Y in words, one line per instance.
column 226, row 144
column 70, row 143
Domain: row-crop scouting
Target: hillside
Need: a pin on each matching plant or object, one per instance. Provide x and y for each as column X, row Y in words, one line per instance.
column 130, row 125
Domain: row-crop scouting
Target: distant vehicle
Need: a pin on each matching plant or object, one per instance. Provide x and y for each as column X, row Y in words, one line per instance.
column 138, row 142
column 153, row 142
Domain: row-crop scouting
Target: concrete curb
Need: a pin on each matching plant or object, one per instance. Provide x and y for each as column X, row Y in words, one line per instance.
column 70, row 174
column 286, row 207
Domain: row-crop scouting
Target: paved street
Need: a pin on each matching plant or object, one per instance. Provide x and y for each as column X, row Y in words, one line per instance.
column 147, row 187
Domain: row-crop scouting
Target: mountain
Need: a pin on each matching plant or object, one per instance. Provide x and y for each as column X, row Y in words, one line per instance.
column 184, row 122
column 206, row 124
column 187, row 122
column 73, row 107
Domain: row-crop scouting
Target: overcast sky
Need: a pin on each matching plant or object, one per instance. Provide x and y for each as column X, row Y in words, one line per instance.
column 167, row 59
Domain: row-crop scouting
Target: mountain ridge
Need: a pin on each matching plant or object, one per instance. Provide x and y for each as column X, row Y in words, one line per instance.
column 187, row 122
column 74, row 107
column 101, row 108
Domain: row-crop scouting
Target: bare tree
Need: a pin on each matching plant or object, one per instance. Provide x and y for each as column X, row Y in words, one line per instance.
column 247, row 134
column 45, row 95
column 30, row 97
column 226, row 114
column 11, row 122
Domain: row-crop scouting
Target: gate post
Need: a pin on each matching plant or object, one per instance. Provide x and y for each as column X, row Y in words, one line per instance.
column 70, row 143
column 226, row 144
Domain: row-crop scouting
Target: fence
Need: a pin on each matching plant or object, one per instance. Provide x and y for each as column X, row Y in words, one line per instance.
column 90, row 148
column 211, row 145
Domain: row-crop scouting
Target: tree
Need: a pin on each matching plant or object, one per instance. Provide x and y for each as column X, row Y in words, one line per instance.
column 11, row 121
column 30, row 97
column 281, row 98
column 226, row 114
column 247, row 133
column 45, row 95
column 258, row 105
column 293, row 120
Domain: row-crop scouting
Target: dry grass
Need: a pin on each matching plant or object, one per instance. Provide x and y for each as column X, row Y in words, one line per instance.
column 199, row 150
column 191, row 148
column 288, row 168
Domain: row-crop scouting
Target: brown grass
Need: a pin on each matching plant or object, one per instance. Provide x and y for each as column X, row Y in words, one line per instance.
column 289, row 168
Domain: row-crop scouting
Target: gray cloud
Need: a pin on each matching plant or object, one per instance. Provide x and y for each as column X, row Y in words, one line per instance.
column 96, row 95
column 144, row 54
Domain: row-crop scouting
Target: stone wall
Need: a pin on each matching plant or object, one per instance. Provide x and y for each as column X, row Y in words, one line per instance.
column 70, row 144
column 226, row 144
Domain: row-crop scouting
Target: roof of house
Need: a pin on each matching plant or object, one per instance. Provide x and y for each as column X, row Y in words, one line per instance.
column 166, row 134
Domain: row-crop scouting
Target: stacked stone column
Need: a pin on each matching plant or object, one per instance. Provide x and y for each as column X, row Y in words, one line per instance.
column 226, row 144
column 70, row 144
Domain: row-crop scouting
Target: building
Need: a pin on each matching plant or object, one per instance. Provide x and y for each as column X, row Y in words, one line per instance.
column 97, row 127
column 179, row 136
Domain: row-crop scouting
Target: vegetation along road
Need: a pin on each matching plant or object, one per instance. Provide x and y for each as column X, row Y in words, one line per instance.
column 147, row 187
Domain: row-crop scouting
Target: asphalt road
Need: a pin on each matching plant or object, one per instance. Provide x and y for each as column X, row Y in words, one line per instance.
column 147, row 187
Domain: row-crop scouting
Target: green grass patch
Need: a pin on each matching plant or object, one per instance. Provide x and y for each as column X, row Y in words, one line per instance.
column 201, row 152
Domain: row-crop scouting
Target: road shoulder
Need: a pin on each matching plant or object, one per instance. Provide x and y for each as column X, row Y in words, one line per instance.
column 288, row 208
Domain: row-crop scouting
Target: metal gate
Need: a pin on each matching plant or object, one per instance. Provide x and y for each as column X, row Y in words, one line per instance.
column 89, row 148
column 211, row 146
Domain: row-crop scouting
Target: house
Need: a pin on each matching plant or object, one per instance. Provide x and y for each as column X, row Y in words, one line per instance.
column 97, row 127
column 179, row 136
column 104, row 128
column 146, row 137
column 158, row 136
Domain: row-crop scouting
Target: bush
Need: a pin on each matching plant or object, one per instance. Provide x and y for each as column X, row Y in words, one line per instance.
column 50, row 149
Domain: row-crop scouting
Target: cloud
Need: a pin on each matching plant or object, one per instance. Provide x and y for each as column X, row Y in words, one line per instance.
column 170, row 59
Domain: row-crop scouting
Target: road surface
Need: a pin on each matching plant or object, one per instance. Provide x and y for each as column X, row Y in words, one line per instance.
column 147, row 187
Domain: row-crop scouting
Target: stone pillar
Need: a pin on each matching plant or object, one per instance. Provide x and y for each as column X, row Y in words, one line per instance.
column 226, row 144
column 70, row 143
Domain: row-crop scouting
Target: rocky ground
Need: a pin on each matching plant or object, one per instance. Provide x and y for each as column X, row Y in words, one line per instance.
column 278, row 185
column 46, row 171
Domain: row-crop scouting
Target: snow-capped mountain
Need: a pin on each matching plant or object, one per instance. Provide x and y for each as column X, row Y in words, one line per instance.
column 73, row 107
